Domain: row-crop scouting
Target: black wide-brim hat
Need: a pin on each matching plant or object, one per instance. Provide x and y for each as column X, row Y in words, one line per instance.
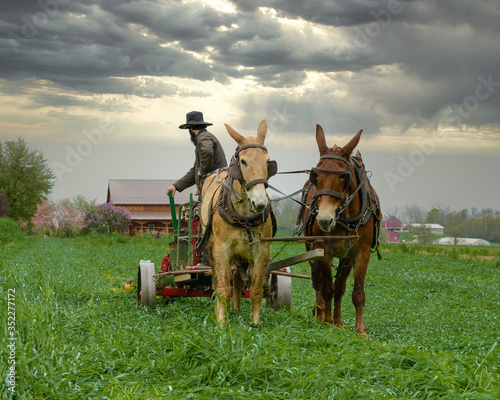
column 194, row 118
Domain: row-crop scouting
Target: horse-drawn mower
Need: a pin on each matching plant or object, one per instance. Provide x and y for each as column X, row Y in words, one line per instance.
column 183, row 274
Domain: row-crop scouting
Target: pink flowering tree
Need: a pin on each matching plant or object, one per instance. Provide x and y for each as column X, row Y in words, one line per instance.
column 59, row 218
column 107, row 218
column 44, row 218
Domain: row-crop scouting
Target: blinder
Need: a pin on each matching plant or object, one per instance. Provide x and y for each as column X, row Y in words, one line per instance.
column 272, row 168
column 313, row 176
column 235, row 172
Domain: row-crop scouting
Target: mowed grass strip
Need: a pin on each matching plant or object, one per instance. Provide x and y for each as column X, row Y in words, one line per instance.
column 432, row 317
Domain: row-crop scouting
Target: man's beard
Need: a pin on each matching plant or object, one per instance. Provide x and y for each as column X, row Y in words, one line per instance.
column 193, row 136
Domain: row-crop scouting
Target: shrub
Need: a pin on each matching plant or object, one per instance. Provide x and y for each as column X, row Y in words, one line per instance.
column 107, row 218
column 9, row 230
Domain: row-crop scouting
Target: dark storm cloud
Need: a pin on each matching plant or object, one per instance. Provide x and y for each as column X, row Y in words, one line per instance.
column 412, row 60
column 82, row 41
column 443, row 50
column 341, row 13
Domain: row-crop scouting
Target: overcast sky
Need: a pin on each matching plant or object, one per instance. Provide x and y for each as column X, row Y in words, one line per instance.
column 100, row 87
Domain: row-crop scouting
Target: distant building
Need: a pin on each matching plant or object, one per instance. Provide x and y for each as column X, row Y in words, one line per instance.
column 461, row 241
column 392, row 237
column 435, row 229
column 147, row 201
column 392, row 224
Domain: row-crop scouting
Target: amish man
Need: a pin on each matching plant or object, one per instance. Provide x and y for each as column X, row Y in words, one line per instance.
column 209, row 154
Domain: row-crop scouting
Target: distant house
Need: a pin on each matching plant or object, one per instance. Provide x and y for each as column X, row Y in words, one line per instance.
column 392, row 224
column 393, row 237
column 461, row 241
column 147, row 201
column 436, row 229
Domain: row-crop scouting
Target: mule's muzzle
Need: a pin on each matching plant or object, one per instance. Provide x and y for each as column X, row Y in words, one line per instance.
column 326, row 224
column 326, row 218
column 257, row 208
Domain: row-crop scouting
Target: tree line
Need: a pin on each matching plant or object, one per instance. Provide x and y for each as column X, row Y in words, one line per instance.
column 473, row 223
column 465, row 223
column 26, row 183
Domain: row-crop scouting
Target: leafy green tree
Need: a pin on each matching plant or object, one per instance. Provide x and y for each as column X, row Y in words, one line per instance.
column 455, row 224
column 423, row 233
column 437, row 215
column 82, row 203
column 25, row 178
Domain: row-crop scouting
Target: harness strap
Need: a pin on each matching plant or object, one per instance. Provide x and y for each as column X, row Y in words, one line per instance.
column 226, row 185
column 229, row 214
column 290, row 196
column 302, row 171
column 332, row 193
column 255, row 182
column 335, row 157
column 362, row 196
column 349, row 197
column 325, row 171
column 249, row 146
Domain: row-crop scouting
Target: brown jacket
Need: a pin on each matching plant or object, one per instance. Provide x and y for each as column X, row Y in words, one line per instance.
column 209, row 156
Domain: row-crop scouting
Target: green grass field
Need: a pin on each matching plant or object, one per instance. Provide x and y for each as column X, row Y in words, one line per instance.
column 432, row 314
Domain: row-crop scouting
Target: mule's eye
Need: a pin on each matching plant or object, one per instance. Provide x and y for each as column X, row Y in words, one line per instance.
column 244, row 163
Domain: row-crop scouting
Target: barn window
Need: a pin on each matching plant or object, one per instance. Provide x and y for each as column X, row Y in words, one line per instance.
column 151, row 227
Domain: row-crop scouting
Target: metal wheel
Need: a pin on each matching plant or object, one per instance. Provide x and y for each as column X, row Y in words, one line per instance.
column 280, row 291
column 146, row 286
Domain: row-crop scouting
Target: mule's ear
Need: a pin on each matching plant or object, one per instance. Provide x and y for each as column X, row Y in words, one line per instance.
column 349, row 147
column 261, row 131
column 320, row 139
column 235, row 135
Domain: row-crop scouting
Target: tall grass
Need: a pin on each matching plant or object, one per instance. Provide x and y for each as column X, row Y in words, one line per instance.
column 432, row 319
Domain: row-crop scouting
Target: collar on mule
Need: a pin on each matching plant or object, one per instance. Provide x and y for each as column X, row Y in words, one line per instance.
column 232, row 217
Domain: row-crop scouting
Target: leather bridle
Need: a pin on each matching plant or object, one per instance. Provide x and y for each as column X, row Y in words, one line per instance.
column 235, row 169
column 328, row 192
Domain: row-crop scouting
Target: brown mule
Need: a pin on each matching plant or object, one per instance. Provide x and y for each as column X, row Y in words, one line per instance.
column 342, row 202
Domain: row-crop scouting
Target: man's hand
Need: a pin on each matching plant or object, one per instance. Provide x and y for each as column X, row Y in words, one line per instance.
column 171, row 189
